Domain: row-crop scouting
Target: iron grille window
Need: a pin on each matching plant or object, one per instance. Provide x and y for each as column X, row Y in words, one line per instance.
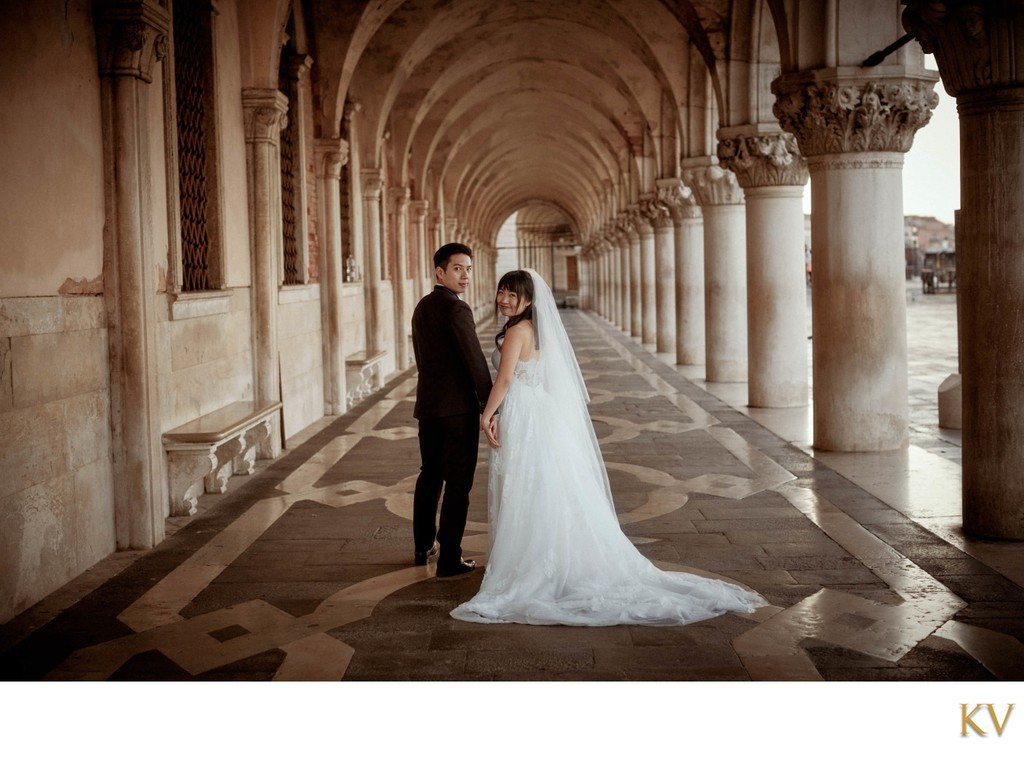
column 191, row 118
column 289, row 177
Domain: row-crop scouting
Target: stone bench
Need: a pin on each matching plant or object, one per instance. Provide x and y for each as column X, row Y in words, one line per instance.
column 362, row 375
column 204, row 453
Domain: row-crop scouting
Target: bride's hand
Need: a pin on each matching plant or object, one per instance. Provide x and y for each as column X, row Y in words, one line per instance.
column 491, row 429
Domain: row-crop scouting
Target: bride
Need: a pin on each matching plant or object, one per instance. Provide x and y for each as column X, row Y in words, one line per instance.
column 557, row 553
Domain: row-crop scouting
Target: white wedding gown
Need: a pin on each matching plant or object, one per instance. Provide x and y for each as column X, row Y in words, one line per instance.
column 558, row 555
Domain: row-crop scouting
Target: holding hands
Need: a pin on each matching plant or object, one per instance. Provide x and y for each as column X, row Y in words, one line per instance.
column 489, row 425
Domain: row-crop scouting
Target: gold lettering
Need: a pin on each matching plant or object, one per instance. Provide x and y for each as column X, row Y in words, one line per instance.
column 995, row 721
column 965, row 718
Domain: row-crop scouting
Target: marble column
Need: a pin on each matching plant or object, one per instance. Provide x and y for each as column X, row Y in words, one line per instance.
column 420, row 249
column 772, row 173
column 372, row 187
column 398, row 207
column 265, row 113
column 853, row 131
column 631, row 233
column 725, row 268
column 665, row 265
column 131, row 38
column 610, row 296
column 688, row 229
column 648, row 309
column 977, row 47
column 331, row 155
column 625, row 273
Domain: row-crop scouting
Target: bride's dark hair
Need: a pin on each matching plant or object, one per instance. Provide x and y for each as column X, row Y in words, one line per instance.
column 521, row 283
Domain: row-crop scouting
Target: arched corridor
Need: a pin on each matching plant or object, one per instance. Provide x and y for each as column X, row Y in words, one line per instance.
column 218, row 217
column 302, row 572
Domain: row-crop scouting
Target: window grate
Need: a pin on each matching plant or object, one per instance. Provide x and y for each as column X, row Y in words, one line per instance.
column 191, row 115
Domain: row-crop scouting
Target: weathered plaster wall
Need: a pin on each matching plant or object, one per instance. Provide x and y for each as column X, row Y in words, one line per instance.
column 51, row 213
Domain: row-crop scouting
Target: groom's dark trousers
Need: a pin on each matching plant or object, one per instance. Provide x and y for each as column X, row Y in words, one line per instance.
column 453, row 386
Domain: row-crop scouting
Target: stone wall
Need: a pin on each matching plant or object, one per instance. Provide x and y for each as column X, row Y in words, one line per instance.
column 300, row 339
column 56, row 503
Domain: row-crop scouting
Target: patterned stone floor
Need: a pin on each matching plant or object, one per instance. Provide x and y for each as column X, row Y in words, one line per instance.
column 303, row 571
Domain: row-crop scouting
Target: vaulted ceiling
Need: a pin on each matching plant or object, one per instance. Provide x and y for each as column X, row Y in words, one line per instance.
column 487, row 106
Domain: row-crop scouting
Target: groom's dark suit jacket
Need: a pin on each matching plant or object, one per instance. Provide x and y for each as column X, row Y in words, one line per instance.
column 454, row 378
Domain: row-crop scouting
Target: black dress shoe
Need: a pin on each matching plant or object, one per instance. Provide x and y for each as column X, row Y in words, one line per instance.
column 450, row 570
column 420, row 557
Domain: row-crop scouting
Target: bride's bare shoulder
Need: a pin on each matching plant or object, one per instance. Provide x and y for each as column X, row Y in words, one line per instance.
column 522, row 333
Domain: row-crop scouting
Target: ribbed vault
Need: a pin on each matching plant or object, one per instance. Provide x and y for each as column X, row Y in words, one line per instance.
column 481, row 108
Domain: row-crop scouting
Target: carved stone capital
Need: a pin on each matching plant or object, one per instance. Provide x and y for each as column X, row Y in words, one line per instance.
column 677, row 198
column 976, row 44
column 331, row 155
column 372, row 183
column 853, row 115
column 712, row 185
column 266, row 114
column 130, row 37
column 761, row 158
column 624, row 227
column 419, row 209
column 398, row 199
column 654, row 212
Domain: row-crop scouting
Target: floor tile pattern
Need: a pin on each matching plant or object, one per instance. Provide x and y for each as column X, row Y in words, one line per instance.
column 303, row 570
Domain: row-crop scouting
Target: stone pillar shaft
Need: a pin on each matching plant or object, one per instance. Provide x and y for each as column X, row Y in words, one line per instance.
column 400, row 225
column 689, row 282
column 265, row 112
column 621, row 282
column 725, row 270
column 769, row 168
column 331, row 156
column 649, row 329
column 859, row 320
column 130, row 40
column 635, row 279
column 977, row 46
column 372, row 185
column 725, row 293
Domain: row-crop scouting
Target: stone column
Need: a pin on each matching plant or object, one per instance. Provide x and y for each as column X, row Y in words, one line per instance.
column 607, row 253
column 625, row 273
column 688, row 229
column 631, row 234
column 265, row 113
column 853, row 131
column 331, row 155
column 433, row 243
column 665, row 265
column 648, row 318
column 398, row 207
column 977, row 47
column 131, row 38
column 772, row 173
column 372, row 186
column 421, row 254
column 725, row 275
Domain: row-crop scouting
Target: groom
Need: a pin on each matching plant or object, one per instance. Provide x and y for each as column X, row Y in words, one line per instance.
column 453, row 385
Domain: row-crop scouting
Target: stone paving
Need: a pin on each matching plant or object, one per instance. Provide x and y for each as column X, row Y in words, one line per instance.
column 303, row 571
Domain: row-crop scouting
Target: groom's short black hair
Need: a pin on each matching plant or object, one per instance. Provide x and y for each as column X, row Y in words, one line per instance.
column 447, row 251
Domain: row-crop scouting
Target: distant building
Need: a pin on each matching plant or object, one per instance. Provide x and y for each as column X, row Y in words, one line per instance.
column 925, row 234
